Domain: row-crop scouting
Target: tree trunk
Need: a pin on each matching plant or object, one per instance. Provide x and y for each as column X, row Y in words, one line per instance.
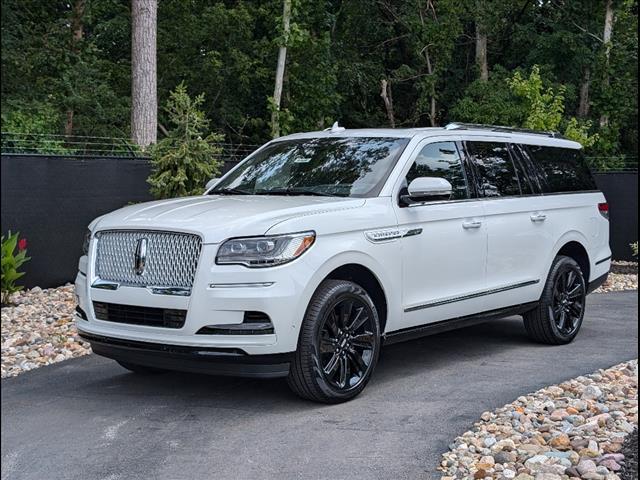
column 77, row 28
column 385, row 93
column 606, row 39
column 583, row 107
column 144, row 100
column 282, row 60
column 481, row 53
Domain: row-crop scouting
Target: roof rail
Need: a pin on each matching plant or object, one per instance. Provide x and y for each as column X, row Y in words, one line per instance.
column 499, row 128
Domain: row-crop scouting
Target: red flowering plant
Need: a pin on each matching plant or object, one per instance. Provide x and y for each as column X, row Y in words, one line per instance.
column 12, row 260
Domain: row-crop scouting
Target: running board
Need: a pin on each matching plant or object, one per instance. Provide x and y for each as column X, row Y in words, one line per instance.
column 455, row 323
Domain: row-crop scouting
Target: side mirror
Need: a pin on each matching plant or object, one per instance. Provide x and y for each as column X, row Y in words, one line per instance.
column 425, row 189
column 211, row 183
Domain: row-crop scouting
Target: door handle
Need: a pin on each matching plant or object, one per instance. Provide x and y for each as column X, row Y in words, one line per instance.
column 472, row 224
column 538, row 217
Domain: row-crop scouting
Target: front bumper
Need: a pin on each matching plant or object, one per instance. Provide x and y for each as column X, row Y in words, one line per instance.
column 221, row 296
column 209, row 360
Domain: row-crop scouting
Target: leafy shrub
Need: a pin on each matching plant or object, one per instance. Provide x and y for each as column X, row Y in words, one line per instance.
column 185, row 159
column 11, row 263
column 546, row 108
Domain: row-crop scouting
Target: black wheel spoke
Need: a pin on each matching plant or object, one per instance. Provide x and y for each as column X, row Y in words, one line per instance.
column 575, row 292
column 562, row 320
column 357, row 362
column 359, row 319
column 343, row 372
column 345, row 313
column 363, row 340
column 347, row 343
column 331, row 367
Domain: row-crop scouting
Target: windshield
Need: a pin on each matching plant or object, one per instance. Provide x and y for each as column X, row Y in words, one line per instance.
column 346, row 167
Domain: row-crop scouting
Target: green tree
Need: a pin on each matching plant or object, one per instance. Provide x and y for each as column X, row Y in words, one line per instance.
column 545, row 108
column 185, row 159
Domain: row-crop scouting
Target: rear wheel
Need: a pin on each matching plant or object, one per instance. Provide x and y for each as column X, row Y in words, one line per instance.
column 560, row 313
column 141, row 369
column 338, row 346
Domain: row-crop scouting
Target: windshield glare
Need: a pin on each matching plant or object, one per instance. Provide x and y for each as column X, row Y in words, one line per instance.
column 347, row 166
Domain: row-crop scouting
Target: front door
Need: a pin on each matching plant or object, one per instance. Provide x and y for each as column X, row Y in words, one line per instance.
column 445, row 245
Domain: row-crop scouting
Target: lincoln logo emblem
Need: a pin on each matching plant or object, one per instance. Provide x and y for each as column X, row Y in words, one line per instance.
column 140, row 257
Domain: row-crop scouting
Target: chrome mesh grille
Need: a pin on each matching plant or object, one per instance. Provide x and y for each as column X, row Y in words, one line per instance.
column 171, row 258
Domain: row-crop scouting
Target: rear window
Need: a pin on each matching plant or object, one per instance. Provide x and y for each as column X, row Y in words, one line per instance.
column 562, row 169
column 496, row 172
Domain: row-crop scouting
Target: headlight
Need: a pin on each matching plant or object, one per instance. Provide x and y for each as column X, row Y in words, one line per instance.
column 268, row 251
column 85, row 244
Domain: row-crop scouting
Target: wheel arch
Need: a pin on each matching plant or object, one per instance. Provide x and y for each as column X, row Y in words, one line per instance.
column 363, row 270
column 573, row 245
column 354, row 272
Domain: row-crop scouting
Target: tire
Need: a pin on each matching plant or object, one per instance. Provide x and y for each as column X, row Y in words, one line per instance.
column 563, row 297
column 141, row 369
column 340, row 333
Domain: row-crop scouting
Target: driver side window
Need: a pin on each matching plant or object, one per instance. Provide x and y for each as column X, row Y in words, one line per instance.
column 441, row 160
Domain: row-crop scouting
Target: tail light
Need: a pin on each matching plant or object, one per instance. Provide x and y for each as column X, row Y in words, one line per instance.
column 603, row 208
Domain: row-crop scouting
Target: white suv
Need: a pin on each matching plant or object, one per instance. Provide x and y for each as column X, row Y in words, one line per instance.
column 321, row 247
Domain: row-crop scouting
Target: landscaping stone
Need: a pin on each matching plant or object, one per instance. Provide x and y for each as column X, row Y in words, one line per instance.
column 38, row 330
column 574, row 430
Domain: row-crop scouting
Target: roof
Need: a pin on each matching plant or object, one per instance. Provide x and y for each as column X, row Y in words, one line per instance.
column 460, row 130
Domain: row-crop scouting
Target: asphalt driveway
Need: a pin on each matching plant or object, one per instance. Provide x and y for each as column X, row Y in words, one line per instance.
column 90, row 419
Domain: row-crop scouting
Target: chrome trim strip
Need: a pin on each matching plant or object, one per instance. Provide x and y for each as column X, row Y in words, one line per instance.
column 439, row 303
column 603, row 260
column 241, row 285
column 178, row 291
column 104, row 285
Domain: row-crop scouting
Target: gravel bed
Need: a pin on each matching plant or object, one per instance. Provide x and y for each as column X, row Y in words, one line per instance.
column 623, row 276
column 575, row 430
column 38, row 330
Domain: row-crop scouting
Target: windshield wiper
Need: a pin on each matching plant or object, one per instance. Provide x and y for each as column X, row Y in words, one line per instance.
column 289, row 191
column 230, row 191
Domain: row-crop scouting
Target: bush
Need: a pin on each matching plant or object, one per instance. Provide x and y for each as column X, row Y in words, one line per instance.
column 11, row 263
column 185, row 160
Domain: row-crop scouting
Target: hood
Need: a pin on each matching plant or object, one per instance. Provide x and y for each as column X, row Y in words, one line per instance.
column 218, row 217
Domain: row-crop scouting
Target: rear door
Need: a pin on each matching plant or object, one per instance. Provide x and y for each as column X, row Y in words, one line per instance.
column 518, row 237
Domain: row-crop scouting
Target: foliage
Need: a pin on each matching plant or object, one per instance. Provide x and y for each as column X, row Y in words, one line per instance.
column 11, row 263
column 184, row 160
column 545, row 108
column 338, row 54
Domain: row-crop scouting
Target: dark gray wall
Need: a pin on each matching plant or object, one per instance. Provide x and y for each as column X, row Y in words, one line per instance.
column 50, row 200
column 621, row 190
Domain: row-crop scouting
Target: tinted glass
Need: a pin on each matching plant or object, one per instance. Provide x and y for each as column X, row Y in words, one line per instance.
column 440, row 160
column 495, row 169
column 347, row 166
column 562, row 169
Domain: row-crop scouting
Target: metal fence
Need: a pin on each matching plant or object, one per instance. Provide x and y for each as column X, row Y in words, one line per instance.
column 88, row 146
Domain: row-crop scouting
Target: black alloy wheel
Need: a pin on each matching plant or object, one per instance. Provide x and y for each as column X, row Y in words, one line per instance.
column 347, row 343
column 567, row 308
column 558, row 316
column 339, row 344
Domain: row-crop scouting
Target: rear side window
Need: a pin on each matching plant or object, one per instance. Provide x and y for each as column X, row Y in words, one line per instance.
column 495, row 169
column 440, row 160
column 562, row 169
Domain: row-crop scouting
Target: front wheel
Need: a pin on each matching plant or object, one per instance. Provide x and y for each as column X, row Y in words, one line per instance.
column 338, row 346
column 559, row 315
